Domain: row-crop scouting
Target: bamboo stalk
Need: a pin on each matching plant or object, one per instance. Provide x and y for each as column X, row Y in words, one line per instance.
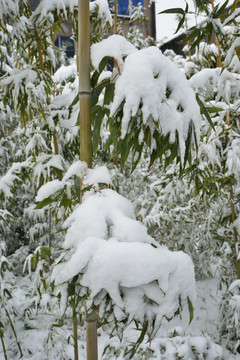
column 115, row 16
column 84, row 82
column 4, row 348
column 75, row 329
column 219, row 62
column 91, row 336
column 86, row 135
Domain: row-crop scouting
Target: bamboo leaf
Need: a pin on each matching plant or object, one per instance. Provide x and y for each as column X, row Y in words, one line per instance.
column 124, row 150
column 109, row 94
column 173, row 11
column 44, row 203
column 180, row 24
column 190, row 310
column 213, row 109
column 204, row 111
column 98, row 117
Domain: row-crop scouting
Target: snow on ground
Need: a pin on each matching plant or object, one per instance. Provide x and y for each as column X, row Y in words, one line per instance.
column 41, row 340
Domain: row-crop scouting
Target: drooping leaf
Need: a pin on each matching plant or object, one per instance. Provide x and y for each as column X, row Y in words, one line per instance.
column 190, row 310
column 173, row 11
column 204, row 111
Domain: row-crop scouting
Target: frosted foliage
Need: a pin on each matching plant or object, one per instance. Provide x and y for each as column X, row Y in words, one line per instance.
column 78, row 168
column 215, row 81
column 7, row 180
column 7, row 7
column 151, row 81
column 65, row 72
column 44, row 164
column 113, row 253
column 49, row 5
column 103, row 10
column 233, row 158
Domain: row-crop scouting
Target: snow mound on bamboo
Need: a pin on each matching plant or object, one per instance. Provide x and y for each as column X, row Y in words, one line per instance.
column 114, row 255
column 150, row 84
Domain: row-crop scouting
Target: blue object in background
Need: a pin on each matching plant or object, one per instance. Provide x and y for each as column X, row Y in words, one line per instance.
column 67, row 44
column 123, row 6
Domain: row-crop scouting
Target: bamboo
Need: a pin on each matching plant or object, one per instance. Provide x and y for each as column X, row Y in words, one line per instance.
column 219, row 62
column 86, row 135
column 91, row 336
column 4, row 348
column 75, row 329
column 84, row 82
column 115, row 16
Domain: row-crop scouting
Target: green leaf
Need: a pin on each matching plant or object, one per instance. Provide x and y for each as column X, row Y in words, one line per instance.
column 97, row 117
column 213, row 109
column 108, row 142
column 109, row 94
column 180, row 24
column 124, row 150
column 193, row 34
column 222, row 8
column 204, row 111
column 173, row 11
column 44, row 203
column 103, row 63
column 75, row 101
column 190, row 310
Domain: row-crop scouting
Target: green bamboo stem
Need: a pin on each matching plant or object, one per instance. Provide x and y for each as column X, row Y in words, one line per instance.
column 75, row 329
column 115, row 16
column 84, row 82
column 86, row 135
column 4, row 348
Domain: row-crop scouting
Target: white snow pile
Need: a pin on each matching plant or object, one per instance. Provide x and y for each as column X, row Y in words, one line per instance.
column 174, row 347
column 115, row 46
column 152, row 83
column 114, row 255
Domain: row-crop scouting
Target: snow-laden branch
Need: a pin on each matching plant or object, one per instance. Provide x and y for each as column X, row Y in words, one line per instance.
column 12, row 175
column 150, row 84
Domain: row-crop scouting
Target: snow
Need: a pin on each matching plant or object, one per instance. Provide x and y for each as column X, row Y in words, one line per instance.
column 102, row 7
column 115, row 46
column 100, row 174
column 78, row 168
column 146, row 79
column 65, row 71
column 49, row 189
column 114, row 254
